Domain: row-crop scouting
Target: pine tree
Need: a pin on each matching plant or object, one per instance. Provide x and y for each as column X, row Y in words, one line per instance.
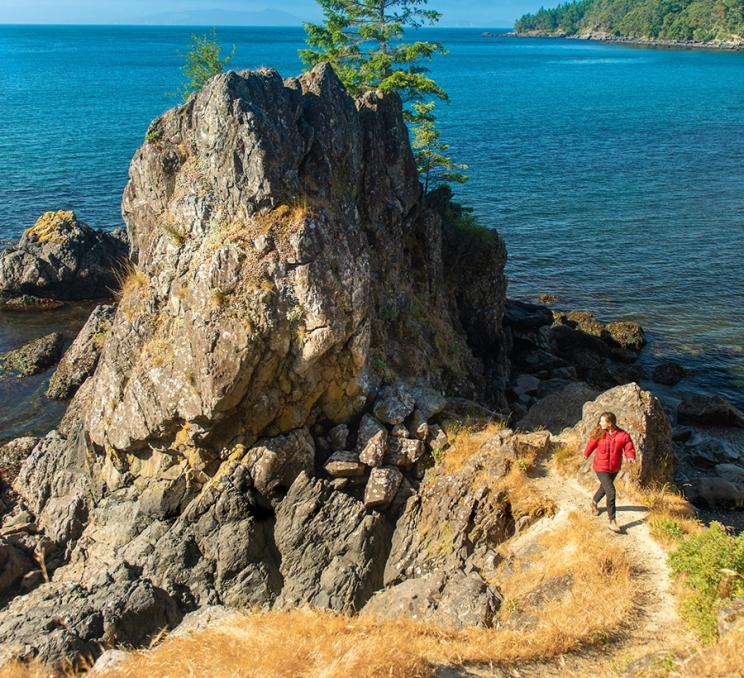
column 363, row 42
column 203, row 61
column 434, row 165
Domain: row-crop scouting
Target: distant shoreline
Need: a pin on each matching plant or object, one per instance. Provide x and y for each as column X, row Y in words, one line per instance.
column 641, row 42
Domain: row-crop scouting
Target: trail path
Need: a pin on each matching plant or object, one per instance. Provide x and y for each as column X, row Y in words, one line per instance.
column 657, row 627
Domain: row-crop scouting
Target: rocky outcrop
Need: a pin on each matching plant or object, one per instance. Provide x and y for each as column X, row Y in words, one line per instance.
column 35, row 356
column 454, row 600
column 61, row 258
column 81, row 358
column 295, row 309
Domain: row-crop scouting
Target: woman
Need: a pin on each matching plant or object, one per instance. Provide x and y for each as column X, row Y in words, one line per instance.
column 609, row 443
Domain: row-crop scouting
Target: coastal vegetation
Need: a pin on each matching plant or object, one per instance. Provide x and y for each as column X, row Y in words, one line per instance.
column 665, row 20
column 203, row 61
column 364, row 43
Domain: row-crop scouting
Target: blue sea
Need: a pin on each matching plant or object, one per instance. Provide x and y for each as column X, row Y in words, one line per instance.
column 614, row 173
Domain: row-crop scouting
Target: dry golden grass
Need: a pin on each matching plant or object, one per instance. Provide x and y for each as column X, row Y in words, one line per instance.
column 466, row 440
column 133, row 284
column 725, row 659
column 670, row 517
column 313, row 643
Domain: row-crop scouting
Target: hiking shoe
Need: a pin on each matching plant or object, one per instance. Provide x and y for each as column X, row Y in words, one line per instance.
column 613, row 526
column 595, row 510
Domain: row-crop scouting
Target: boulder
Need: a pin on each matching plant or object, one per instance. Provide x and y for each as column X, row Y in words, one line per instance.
column 709, row 411
column 437, row 439
column 372, row 441
column 59, row 257
column 81, row 358
column 203, row 618
column 733, row 473
column 640, row 414
column 668, row 373
column 345, row 464
column 522, row 315
column 394, row 404
column 625, row 334
column 559, row 410
column 712, row 492
column 453, row 599
column 34, row 356
column 404, row 451
column 259, row 301
column 532, row 444
column 332, row 549
column 275, row 462
column 428, row 401
column 382, row 487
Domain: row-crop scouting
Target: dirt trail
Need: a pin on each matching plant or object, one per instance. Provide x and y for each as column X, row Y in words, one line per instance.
column 657, row 627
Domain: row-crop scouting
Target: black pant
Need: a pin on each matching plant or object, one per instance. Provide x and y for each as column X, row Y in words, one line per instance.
column 606, row 487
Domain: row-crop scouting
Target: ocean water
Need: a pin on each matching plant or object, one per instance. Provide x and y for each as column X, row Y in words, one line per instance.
column 615, row 174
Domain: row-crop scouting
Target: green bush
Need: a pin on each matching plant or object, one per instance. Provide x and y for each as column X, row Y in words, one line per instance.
column 711, row 568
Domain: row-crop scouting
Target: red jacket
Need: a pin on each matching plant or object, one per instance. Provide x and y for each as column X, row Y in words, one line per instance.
column 609, row 451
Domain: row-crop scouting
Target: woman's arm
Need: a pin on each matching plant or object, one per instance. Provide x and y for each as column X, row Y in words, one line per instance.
column 590, row 447
column 628, row 449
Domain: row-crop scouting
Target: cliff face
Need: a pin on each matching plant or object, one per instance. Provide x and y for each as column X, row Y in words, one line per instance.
column 288, row 276
column 285, row 265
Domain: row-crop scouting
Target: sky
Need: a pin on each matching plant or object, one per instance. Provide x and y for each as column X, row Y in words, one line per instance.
column 486, row 13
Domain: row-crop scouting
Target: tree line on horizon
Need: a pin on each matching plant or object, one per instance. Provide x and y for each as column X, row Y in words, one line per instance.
column 675, row 20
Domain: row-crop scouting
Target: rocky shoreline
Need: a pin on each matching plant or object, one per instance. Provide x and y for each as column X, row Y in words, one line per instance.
column 263, row 416
column 600, row 36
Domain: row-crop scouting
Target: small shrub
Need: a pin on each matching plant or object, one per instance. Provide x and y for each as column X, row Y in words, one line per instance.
column 705, row 563
column 177, row 237
column 154, row 134
column 389, row 313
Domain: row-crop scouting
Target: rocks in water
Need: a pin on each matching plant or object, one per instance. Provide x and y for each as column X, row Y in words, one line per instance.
column 382, row 487
column 547, row 298
column 640, row 414
column 709, row 411
column 34, row 356
column 668, row 373
column 81, row 358
column 522, row 315
column 28, row 302
column 61, row 258
column 626, row 334
column 332, row 550
column 559, row 410
column 452, row 599
column 345, row 464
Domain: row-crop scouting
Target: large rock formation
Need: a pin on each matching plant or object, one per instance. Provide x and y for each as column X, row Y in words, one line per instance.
column 286, row 266
column 641, row 414
column 59, row 257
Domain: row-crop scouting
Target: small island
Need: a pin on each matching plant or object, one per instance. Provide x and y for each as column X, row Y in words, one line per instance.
column 715, row 24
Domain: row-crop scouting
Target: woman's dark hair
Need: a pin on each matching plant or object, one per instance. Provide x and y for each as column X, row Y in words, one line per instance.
column 598, row 432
